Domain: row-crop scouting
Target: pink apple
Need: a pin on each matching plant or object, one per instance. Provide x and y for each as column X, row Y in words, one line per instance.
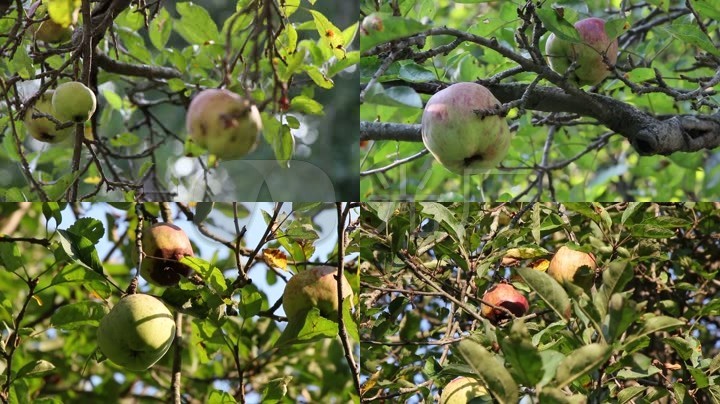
column 591, row 67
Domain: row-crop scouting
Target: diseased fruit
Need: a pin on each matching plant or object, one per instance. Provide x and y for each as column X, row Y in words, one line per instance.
column 165, row 245
column 370, row 24
column 462, row 390
column 224, row 123
column 506, row 296
column 137, row 332
column 73, row 101
column 316, row 287
column 459, row 131
column 43, row 129
column 591, row 69
column 565, row 264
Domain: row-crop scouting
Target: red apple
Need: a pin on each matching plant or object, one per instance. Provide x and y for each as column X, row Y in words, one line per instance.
column 165, row 245
column 591, row 68
column 506, row 296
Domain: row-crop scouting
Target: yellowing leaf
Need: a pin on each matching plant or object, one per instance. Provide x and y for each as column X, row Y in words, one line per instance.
column 92, row 180
column 275, row 258
column 540, row 265
column 330, row 35
column 64, row 12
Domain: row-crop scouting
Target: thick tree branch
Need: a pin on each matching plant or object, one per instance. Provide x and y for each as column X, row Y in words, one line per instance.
column 139, row 70
column 648, row 134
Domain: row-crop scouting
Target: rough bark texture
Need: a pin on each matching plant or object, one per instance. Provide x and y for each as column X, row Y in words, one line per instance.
column 649, row 135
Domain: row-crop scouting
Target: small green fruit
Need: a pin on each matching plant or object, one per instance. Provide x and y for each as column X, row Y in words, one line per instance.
column 224, row 123
column 43, row 129
column 591, row 68
column 165, row 245
column 51, row 32
column 137, row 332
column 73, row 101
column 459, row 133
column 463, row 389
column 316, row 287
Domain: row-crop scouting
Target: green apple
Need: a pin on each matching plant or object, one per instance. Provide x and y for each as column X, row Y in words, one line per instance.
column 316, row 287
column 165, row 245
column 460, row 133
column 224, row 123
column 463, row 389
column 565, row 264
column 73, row 101
column 137, row 332
column 50, row 30
column 506, row 296
column 44, row 129
column 591, row 68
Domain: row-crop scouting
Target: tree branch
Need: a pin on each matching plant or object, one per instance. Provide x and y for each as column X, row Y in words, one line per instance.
column 649, row 135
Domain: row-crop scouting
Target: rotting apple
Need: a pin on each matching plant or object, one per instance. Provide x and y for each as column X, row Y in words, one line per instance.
column 565, row 264
column 43, row 129
column 73, row 101
column 165, row 245
column 316, row 287
column 137, row 332
column 506, row 296
column 461, row 132
column 462, row 390
column 591, row 68
column 224, row 123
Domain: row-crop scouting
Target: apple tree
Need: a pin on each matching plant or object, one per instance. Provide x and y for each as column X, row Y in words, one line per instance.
column 606, row 100
column 81, row 323
column 540, row 303
column 291, row 67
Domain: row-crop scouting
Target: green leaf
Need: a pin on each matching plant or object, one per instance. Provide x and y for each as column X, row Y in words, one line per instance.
column 276, row 389
column 692, row 34
column 655, row 324
column 307, row 328
column 10, row 257
column 306, row 105
column 707, row 8
column 195, row 24
column 38, row 368
column 548, row 289
column 490, row 370
column 522, row 355
column 621, row 314
column 553, row 19
column 392, row 28
column 581, row 362
column 160, row 29
column 208, row 272
column 441, row 214
column 614, row 279
column 251, row 302
column 78, row 315
column 78, row 242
